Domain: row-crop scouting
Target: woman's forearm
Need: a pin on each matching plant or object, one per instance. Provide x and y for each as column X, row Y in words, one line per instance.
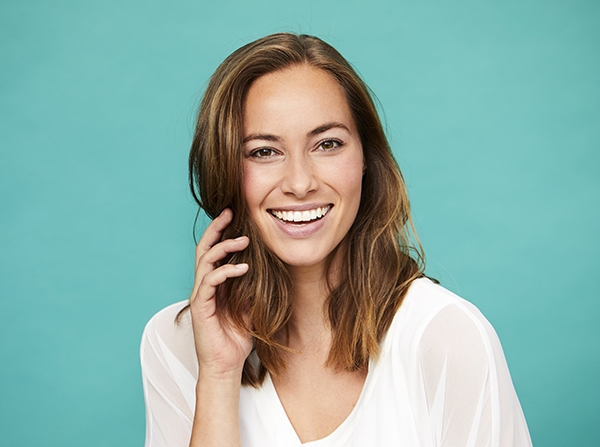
column 216, row 419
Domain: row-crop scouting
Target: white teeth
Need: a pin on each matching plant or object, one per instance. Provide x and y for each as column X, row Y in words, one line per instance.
column 301, row 216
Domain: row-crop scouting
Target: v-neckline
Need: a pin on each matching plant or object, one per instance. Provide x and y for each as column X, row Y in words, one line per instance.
column 339, row 434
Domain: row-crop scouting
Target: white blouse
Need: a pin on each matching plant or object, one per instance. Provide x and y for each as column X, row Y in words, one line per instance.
column 441, row 381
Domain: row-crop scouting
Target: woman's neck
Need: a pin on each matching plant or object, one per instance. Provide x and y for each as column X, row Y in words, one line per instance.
column 309, row 322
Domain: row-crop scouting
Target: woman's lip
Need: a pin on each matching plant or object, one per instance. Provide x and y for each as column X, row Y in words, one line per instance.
column 300, row 229
column 301, row 216
column 305, row 207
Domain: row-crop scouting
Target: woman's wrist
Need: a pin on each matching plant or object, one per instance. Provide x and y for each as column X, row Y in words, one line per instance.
column 220, row 376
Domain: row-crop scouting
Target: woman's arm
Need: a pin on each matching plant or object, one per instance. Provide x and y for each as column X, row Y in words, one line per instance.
column 169, row 371
column 179, row 406
column 216, row 420
column 470, row 395
column 220, row 347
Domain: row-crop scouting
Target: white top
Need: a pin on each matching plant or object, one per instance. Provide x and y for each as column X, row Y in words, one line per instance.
column 441, row 381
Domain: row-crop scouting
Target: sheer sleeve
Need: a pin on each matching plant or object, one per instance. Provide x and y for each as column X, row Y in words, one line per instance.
column 169, row 371
column 471, row 400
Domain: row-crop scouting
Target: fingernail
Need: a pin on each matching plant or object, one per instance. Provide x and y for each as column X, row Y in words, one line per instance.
column 239, row 238
column 241, row 266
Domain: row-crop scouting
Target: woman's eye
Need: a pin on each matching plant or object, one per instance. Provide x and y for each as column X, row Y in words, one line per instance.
column 262, row 153
column 329, row 145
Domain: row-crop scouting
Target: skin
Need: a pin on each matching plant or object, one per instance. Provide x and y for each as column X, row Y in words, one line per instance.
column 301, row 151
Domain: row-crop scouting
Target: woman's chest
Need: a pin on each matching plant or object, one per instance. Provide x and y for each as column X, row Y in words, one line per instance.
column 386, row 412
column 319, row 401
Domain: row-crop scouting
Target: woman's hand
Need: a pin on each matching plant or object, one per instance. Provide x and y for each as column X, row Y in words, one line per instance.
column 221, row 347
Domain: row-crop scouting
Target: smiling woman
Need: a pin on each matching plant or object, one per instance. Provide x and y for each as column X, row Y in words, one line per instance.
column 310, row 320
column 302, row 157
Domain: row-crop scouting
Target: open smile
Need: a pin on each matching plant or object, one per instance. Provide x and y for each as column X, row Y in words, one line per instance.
column 301, row 216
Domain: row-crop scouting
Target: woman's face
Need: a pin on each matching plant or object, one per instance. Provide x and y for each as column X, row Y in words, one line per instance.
column 303, row 163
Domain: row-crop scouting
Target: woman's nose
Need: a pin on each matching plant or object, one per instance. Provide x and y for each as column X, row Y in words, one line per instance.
column 299, row 179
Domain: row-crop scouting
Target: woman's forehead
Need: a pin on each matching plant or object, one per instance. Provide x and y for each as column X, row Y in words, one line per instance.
column 298, row 97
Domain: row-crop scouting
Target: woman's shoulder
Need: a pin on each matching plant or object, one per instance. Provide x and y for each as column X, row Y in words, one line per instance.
column 166, row 317
column 425, row 295
column 169, row 341
column 428, row 308
column 166, row 326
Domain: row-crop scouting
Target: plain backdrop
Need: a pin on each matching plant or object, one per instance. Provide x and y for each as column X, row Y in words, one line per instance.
column 493, row 112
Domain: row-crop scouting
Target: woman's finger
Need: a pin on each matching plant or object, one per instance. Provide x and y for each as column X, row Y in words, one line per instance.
column 213, row 232
column 219, row 251
column 208, row 285
column 207, row 262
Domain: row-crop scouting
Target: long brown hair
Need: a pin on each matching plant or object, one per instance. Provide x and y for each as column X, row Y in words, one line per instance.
column 381, row 254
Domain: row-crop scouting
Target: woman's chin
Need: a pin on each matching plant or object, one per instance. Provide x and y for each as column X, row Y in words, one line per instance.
column 305, row 258
column 310, row 261
column 303, row 261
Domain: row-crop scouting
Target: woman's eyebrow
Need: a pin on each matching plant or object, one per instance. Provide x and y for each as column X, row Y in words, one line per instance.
column 312, row 133
column 262, row 136
column 326, row 127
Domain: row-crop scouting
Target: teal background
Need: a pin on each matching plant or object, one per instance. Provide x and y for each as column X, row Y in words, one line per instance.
column 493, row 111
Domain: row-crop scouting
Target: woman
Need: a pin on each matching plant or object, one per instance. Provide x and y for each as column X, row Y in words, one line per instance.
column 310, row 320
